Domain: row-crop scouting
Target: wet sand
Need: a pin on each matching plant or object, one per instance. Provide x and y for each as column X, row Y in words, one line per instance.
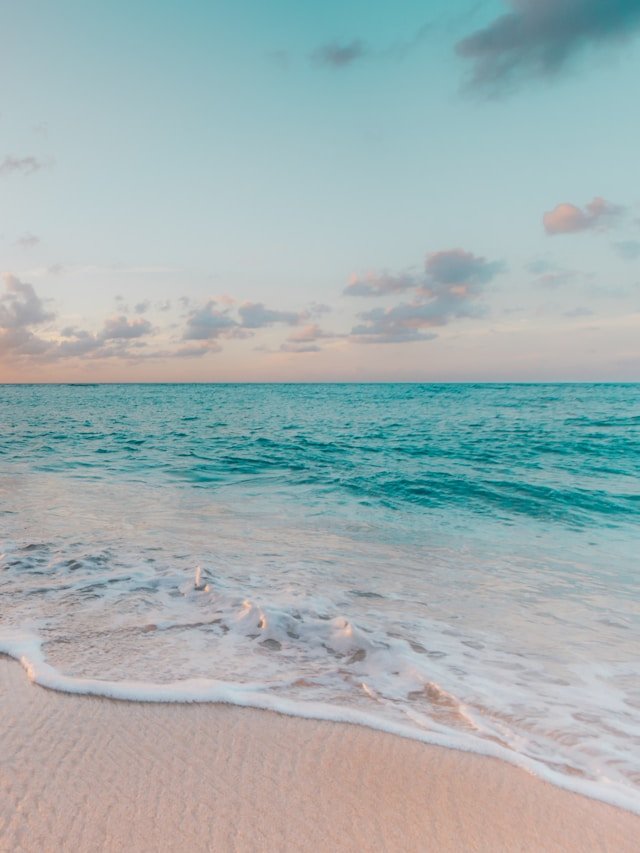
column 84, row 773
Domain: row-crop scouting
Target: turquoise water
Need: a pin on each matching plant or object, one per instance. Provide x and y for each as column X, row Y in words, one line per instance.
column 457, row 563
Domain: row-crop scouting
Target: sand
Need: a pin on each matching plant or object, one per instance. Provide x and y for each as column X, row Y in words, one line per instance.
column 83, row 773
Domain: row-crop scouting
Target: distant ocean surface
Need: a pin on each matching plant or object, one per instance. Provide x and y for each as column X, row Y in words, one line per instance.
column 454, row 563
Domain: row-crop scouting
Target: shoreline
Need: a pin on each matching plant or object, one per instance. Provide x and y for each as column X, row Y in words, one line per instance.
column 92, row 772
column 25, row 650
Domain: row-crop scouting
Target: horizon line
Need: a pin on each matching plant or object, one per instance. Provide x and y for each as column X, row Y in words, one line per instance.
column 86, row 384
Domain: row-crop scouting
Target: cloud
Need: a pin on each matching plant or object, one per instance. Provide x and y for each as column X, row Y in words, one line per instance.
column 120, row 328
column 77, row 343
column 311, row 332
column 290, row 346
column 195, row 352
column 21, row 309
column 301, row 340
column 457, row 272
column 628, row 249
column 20, row 165
column 305, row 339
column 448, row 288
column 538, row 38
column 20, row 306
column 27, row 241
column 21, row 342
column 452, row 270
column 566, row 218
column 227, row 300
column 113, row 340
column 316, row 309
column 254, row 315
column 208, row 323
column 379, row 284
column 337, row 55
column 124, row 335
column 400, row 324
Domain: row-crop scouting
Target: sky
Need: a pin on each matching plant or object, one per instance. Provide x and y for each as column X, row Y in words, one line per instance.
column 235, row 190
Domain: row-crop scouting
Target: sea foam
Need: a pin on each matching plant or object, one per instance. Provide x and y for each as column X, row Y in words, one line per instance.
column 26, row 648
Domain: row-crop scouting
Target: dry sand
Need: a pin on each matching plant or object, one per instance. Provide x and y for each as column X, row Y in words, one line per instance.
column 82, row 773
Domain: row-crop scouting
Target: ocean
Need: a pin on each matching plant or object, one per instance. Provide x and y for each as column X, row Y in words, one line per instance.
column 458, row 564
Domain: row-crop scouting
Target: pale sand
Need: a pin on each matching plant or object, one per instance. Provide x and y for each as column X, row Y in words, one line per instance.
column 82, row 773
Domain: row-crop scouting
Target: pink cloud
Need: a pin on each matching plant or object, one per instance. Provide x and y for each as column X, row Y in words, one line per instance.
column 306, row 334
column 566, row 218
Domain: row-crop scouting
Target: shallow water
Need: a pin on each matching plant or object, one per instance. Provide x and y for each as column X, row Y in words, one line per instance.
column 456, row 563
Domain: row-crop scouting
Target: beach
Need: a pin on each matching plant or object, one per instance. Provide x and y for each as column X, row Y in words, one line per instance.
column 319, row 427
column 86, row 773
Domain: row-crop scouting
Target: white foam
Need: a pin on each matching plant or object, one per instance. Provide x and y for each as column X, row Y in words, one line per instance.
column 26, row 648
column 483, row 649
